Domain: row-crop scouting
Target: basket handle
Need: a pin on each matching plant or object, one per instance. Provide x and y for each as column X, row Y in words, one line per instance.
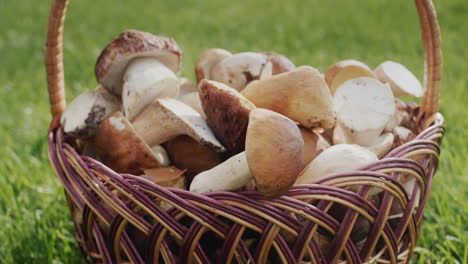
column 430, row 36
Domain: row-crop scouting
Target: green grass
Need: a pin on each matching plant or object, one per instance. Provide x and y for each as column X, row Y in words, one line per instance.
column 35, row 226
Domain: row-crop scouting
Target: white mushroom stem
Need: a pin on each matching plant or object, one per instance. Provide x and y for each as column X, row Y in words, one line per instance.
column 336, row 159
column 230, row 175
column 166, row 119
column 86, row 112
column 145, row 80
column 363, row 107
column 161, row 155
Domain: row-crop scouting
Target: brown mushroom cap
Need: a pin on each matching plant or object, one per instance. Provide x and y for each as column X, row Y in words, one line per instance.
column 131, row 44
column 227, row 113
column 301, row 95
column 279, row 62
column 274, row 151
column 186, row 153
column 120, row 148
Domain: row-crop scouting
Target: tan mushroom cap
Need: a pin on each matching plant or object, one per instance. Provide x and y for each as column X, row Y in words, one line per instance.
column 401, row 80
column 301, row 95
column 121, row 148
column 129, row 45
column 279, row 62
column 274, row 151
column 345, row 70
column 168, row 118
column 207, row 61
column 314, row 144
column 186, row 153
column 227, row 113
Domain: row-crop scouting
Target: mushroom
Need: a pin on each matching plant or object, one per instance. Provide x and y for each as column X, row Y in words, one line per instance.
column 227, row 113
column 363, row 107
column 120, row 148
column 336, row 159
column 166, row 177
column 401, row 80
column 382, row 145
column 86, row 112
column 207, row 60
column 168, row 118
column 230, row 175
column 301, row 95
column 161, row 154
column 345, row 70
column 240, row 69
column 314, row 144
column 279, row 62
column 186, row 153
column 140, row 67
column 273, row 158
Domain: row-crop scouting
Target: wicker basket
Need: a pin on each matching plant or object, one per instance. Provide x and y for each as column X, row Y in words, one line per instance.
column 117, row 220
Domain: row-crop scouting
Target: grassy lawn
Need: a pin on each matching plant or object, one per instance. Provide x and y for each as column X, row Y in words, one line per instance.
column 35, row 226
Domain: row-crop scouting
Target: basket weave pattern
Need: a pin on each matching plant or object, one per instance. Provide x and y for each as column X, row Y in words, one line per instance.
column 118, row 217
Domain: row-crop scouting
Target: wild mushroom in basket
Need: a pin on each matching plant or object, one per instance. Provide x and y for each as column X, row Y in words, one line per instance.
column 207, row 61
column 166, row 119
column 346, row 70
column 86, row 112
column 363, row 107
column 120, row 148
column 140, row 67
column 336, row 159
column 227, row 113
column 314, row 144
column 301, row 95
column 273, row 158
column 400, row 79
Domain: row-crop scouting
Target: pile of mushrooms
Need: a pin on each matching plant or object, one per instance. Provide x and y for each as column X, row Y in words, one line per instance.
column 252, row 120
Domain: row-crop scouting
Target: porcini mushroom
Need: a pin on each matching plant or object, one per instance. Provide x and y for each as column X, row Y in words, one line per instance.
column 273, row 158
column 141, row 67
column 336, row 159
column 189, row 95
column 301, row 95
column 86, row 112
column 188, row 154
column 207, row 60
column 314, row 144
column 274, row 150
column 227, row 113
column 363, row 107
column 120, row 148
column 345, row 70
column 240, row 69
column 167, row 118
column 401, row 80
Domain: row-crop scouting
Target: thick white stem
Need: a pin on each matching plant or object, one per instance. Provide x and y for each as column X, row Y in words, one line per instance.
column 230, row 175
column 145, row 80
